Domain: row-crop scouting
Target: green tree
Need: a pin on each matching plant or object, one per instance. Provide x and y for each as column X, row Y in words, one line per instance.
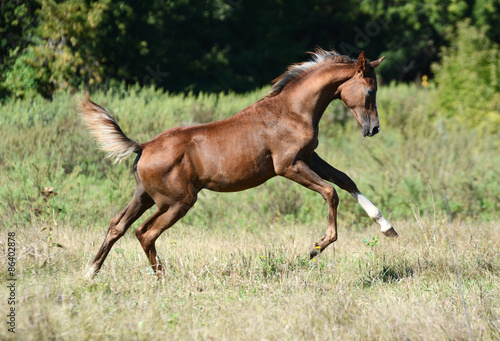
column 17, row 25
column 468, row 79
column 216, row 45
column 60, row 54
column 486, row 13
column 413, row 34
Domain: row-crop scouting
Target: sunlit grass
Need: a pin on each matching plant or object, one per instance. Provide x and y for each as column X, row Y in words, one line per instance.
column 237, row 266
column 260, row 285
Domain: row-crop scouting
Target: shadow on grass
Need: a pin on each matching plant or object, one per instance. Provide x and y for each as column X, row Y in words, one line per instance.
column 388, row 274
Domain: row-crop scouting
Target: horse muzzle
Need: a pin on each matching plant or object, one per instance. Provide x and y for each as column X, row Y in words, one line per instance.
column 369, row 130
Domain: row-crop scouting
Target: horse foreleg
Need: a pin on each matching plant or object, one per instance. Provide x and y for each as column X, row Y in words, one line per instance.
column 301, row 173
column 375, row 214
column 329, row 173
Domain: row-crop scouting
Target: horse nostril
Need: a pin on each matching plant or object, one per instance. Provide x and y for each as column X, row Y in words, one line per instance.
column 375, row 130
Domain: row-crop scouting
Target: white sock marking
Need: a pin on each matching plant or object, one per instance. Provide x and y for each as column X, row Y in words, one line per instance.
column 91, row 272
column 372, row 211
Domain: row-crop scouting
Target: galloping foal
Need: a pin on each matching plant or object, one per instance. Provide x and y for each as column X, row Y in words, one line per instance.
column 275, row 136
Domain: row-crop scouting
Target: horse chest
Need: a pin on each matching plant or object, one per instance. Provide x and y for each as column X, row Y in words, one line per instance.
column 303, row 141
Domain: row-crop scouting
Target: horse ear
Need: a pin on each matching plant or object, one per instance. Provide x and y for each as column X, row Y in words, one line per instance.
column 362, row 61
column 377, row 62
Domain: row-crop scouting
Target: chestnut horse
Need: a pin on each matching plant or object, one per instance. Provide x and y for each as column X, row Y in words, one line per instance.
column 275, row 136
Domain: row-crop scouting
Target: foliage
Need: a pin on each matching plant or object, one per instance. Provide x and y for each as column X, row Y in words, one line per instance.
column 62, row 55
column 371, row 242
column 413, row 32
column 486, row 13
column 240, row 260
column 17, row 27
column 402, row 166
column 213, row 46
column 468, row 80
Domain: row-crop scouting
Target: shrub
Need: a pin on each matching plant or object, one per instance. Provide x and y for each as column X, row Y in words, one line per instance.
column 468, row 79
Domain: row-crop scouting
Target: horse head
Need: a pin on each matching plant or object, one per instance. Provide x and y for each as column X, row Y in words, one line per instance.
column 359, row 94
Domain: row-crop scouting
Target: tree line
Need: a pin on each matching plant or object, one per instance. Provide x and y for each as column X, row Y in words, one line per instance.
column 217, row 45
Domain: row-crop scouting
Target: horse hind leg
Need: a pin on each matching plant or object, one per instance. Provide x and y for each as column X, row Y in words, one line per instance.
column 119, row 225
column 154, row 226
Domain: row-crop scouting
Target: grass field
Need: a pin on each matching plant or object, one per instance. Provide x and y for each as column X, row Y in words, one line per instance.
column 260, row 285
column 237, row 265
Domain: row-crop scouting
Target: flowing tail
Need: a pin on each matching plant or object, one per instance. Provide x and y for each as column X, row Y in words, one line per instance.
column 106, row 131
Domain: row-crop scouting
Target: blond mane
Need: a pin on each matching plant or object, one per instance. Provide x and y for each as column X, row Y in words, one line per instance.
column 296, row 70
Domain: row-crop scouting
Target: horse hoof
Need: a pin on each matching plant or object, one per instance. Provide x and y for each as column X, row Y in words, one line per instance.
column 313, row 253
column 390, row 232
column 91, row 272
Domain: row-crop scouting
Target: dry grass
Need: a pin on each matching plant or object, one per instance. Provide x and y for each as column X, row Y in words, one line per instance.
column 237, row 265
column 260, row 285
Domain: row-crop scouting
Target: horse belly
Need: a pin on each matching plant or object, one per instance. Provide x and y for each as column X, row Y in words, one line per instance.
column 238, row 174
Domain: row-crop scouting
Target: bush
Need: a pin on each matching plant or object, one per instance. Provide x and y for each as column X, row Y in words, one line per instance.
column 468, row 79
column 29, row 75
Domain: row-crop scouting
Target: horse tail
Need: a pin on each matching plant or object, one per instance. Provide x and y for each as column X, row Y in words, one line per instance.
column 106, row 131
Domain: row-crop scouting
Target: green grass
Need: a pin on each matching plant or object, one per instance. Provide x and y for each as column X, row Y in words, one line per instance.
column 237, row 265
column 261, row 285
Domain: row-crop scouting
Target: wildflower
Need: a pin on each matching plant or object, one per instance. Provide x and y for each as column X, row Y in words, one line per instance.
column 425, row 81
column 47, row 192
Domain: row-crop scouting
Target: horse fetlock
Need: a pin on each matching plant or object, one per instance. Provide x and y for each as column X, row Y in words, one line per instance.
column 383, row 223
column 313, row 253
column 91, row 272
column 390, row 232
column 375, row 214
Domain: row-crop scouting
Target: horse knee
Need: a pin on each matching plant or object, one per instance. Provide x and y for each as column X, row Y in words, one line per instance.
column 116, row 230
column 331, row 196
column 114, row 221
column 335, row 198
column 115, row 234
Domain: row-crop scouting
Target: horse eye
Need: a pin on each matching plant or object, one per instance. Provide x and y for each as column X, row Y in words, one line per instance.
column 371, row 92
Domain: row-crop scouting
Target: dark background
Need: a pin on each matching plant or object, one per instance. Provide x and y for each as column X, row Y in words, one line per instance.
column 203, row 45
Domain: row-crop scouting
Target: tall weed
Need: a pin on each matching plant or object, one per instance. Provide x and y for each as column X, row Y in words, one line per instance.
column 44, row 144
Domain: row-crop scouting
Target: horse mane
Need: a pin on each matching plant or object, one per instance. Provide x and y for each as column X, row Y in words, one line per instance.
column 294, row 71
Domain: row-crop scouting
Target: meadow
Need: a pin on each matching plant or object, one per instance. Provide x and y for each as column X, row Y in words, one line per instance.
column 237, row 266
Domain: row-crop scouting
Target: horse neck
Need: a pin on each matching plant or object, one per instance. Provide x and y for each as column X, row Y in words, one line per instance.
column 312, row 94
